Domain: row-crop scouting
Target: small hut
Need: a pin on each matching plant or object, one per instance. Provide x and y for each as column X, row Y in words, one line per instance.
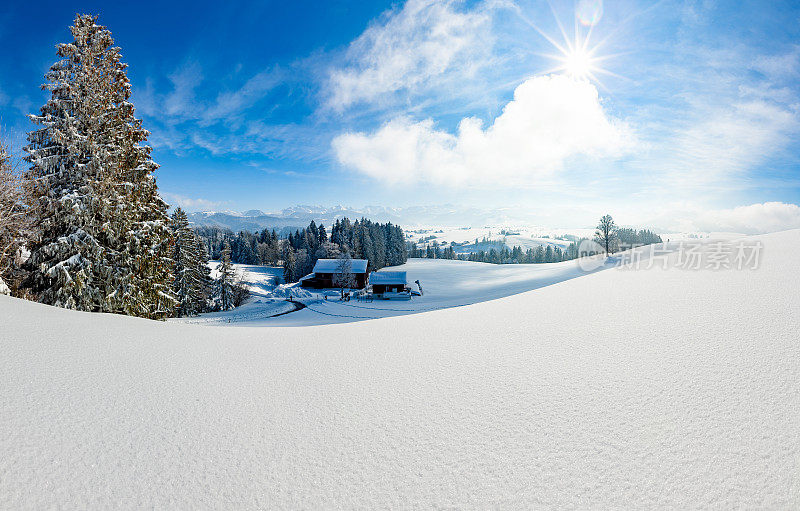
column 388, row 283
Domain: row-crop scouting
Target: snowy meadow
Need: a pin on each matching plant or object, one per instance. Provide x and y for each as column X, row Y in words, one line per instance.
column 643, row 388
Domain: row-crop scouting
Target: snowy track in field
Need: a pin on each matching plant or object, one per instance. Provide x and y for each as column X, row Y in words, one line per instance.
column 255, row 310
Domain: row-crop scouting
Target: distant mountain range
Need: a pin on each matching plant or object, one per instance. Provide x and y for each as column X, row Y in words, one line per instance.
column 299, row 216
column 294, row 217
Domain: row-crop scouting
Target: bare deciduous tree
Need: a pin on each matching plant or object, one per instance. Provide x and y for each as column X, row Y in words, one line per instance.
column 606, row 233
column 14, row 224
column 343, row 278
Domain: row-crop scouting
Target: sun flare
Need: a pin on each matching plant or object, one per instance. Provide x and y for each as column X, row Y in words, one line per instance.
column 578, row 56
column 578, row 63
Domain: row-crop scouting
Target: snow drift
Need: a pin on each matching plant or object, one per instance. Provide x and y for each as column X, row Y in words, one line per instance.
column 621, row 389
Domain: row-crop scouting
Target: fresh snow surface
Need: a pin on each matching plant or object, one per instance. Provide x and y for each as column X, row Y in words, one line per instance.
column 618, row 390
column 525, row 237
column 332, row 265
column 388, row 277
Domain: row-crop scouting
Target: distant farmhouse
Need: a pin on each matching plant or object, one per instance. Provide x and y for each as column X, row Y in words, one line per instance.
column 386, row 283
column 326, row 269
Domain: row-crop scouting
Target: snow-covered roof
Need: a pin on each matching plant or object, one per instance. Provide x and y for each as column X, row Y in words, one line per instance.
column 332, row 266
column 388, row 277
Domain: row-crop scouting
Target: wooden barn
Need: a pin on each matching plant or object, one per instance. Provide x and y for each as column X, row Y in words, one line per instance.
column 325, row 272
column 386, row 283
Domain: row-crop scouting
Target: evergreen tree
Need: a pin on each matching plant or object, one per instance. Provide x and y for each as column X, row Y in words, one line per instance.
column 288, row 263
column 336, row 233
column 226, row 280
column 378, row 236
column 365, row 244
column 203, row 295
column 102, row 241
column 62, row 186
column 189, row 267
column 312, row 235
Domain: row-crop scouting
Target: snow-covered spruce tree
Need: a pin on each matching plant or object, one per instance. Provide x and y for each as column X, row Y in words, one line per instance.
column 140, row 224
column 203, row 298
column 289, row 263
column 190, row 284
column 68, row 262
column 103, row 242
column 226, row 280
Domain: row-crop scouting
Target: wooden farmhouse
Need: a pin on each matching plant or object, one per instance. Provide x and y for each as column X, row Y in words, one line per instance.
column 324, row 275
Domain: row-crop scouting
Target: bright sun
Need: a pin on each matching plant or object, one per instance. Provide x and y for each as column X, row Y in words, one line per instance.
column 578, row 63
column 577, row 57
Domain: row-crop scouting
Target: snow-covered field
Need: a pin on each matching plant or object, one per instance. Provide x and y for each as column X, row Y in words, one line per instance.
column 525, row 237
column 620, row 389
column 445, row 283
column 528, row 237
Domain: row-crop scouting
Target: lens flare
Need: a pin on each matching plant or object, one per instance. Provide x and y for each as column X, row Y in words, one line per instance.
column 589, row 12
column 577, row 55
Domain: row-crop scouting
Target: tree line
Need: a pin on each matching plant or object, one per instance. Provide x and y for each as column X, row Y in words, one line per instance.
column 499, row 253
column 380, row 244
column 613, row 238
column 608, row 236
column 262, row 248
column 84, row 227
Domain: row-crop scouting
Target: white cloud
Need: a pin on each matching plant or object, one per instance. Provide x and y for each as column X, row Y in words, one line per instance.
column 720, row 125
column 550, row 119
column 779, row 65
column 733, row 138
column 235, row 102
column 260, row 137
column 409, row 47
column 752, row 219
column 180, row 120
column 189, row 203
column 181, row 101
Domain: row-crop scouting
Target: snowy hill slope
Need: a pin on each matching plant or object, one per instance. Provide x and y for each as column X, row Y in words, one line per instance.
column 621, row 389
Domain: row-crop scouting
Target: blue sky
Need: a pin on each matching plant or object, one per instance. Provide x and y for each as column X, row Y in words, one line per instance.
column 689, row 118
